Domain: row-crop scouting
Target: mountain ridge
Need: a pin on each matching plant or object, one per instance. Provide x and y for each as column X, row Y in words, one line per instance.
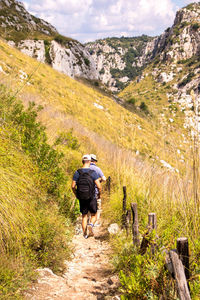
column 111, row 63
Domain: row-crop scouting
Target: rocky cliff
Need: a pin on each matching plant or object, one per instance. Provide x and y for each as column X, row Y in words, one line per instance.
column 120, row 60
column 172, row 72
column 115, row 61
column 16, row 23
column 182, row 40
column 39, row 39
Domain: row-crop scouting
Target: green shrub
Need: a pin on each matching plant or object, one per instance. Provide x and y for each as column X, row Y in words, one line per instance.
column 132, row 100
column 86, row 60
column 61, row 39
column 195, row 26
column 143, row 106
column 187, row 79
column 34, row 142
column 47, row 45
column 67, row 139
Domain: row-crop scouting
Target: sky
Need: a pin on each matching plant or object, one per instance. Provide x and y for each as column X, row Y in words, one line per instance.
column 89, row 20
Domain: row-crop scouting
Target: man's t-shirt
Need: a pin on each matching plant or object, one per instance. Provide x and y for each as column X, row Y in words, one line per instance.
column 94, row 174
column 99, row 172
column 97, row 169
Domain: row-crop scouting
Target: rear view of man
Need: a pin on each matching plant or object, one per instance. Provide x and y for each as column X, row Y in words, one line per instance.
column 94, row 167
column 83, row 185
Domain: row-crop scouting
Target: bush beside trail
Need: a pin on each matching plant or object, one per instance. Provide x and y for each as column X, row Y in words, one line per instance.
column 35, row 230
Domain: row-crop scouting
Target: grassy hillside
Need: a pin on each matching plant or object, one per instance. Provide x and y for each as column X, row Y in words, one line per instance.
column 132, row 144
column 68, row 99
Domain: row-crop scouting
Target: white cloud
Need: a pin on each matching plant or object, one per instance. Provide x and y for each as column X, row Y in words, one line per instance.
column 93, row 19
column 191, row 1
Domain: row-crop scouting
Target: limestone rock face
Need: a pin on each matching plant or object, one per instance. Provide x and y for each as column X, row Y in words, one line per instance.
column 182, row 40
column 118, row 59
column 74, row 61
column 35, row 49
column 14, row 15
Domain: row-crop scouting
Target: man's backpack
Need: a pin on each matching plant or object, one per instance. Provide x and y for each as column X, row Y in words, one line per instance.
column 85, row 185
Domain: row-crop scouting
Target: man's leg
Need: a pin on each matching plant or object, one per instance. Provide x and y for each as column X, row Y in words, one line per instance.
column 98, row 208
column 84, row 224
column 93, row 218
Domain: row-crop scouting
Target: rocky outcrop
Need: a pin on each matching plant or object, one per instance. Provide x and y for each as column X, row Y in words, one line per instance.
column 119, row 60
column 71, row 59
column 182, row 40
column 74, row 61
column 14, row 15
column 35, row 49
column 63, row 54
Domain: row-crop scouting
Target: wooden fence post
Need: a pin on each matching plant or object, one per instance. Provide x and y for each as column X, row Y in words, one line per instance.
column 135, row 226
column 152, row 224
column 179, row 274
column 128, row 221
column 124, row 208
column 183, row 252
column 108, row 184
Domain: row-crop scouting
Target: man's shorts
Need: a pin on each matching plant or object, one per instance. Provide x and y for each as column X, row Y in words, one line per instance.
column 88, row 206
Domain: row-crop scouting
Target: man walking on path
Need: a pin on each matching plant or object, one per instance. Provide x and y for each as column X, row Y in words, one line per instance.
column 83, row 185
column 94, row 167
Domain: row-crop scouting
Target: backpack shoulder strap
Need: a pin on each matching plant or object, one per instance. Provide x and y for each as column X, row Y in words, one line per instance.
column 80, row 171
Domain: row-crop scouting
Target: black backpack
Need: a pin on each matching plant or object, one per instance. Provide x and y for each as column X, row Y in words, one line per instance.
column 85, row 185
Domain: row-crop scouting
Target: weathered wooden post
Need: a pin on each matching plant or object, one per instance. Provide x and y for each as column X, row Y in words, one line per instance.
column 128, row 221
column 183, row 252
column 124, row 208
column 135, row 226
column 108, row 184
column 179, row 274
column 152, row 225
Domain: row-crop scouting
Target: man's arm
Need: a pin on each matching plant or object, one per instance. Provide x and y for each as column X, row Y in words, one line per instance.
column 98, row 184
column 103, row 178
column 74, row 187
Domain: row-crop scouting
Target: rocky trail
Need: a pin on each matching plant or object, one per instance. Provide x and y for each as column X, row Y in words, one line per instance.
column 89, row 275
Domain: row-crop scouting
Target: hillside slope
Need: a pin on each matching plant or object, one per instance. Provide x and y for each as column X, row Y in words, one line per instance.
column 39, row 39
column 68, row 99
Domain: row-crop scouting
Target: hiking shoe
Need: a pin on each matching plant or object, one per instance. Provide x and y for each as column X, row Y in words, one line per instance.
column 90, row 229
column 97, row 224
column 85, row 236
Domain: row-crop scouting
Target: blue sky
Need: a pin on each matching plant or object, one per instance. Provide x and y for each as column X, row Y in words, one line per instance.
column 88, row 20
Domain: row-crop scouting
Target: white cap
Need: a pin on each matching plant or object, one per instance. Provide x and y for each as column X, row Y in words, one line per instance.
column 86, row 157
column 93, row 156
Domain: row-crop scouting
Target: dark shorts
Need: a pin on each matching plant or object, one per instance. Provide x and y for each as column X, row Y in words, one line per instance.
column 88, row 206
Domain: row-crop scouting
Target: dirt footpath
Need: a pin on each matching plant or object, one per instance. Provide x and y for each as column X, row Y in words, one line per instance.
column 88, row 276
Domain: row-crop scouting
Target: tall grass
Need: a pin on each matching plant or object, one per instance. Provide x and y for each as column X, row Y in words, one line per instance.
column 32, row 231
